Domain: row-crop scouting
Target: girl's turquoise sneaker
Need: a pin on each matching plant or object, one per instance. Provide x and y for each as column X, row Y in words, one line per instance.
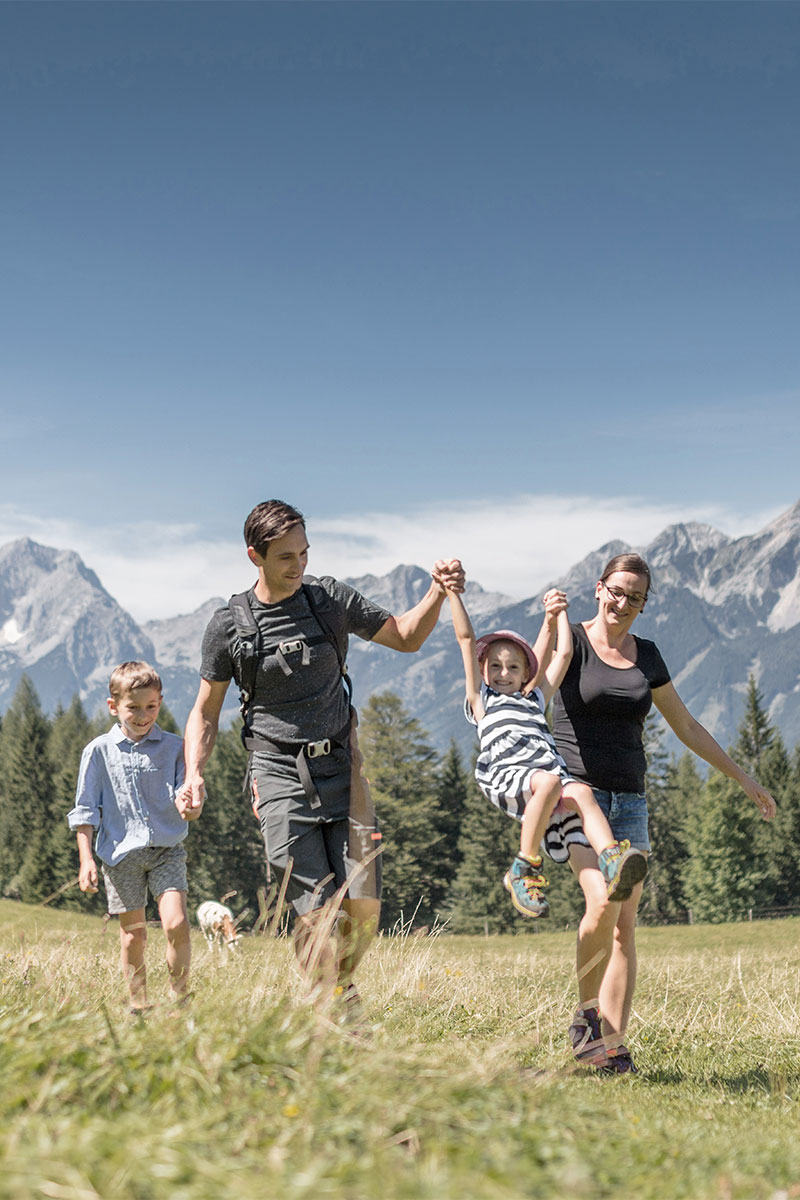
column 524, row 882
column 622, row 868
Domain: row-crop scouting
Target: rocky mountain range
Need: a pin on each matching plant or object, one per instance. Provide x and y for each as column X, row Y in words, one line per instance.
column 722, row 609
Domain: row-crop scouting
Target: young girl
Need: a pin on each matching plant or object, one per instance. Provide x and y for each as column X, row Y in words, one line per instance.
column 518, row 767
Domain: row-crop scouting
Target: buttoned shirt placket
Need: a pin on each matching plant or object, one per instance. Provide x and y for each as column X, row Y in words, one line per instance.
column 133, row 772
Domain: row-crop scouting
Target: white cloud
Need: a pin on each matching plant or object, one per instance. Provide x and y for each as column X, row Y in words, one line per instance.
column 511, row 546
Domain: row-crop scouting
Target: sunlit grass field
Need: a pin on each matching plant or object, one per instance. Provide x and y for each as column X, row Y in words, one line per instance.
column 465, row 1088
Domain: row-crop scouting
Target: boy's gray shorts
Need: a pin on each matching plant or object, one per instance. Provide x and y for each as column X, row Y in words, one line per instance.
column 158, row 869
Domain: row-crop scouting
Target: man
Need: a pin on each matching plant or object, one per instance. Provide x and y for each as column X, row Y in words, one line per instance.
column 316, row 815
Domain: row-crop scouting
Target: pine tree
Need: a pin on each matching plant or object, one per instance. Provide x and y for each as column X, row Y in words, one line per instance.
column 725, row 875
column 401, row 766
column 760, row 751
column 756, row 733
column 663, row 899
column 451, row 800
column 28, row 808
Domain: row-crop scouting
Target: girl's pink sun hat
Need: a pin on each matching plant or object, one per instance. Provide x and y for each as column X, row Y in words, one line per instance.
column 507, row 635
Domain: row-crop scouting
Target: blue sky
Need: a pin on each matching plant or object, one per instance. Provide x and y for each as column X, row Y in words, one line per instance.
column 501, row 280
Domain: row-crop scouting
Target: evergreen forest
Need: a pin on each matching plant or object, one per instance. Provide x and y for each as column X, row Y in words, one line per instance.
column 445, row 847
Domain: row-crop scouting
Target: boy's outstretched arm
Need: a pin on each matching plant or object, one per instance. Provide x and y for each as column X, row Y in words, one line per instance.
column 465, row 636
column 557, row 668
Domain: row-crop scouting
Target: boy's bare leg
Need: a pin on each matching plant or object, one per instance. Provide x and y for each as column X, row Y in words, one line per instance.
column 133, row 939
column 175, row 923
column 545, row 792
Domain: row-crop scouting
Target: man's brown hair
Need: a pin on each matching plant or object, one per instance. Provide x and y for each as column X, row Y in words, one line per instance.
column 270, row 520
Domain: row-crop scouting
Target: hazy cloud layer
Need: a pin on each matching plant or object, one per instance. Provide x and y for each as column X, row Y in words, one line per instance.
column 514, row 546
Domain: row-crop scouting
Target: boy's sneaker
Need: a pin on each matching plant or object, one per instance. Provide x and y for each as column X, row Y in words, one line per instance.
column 622, row 868
column 524, row 881
column 586, row 1035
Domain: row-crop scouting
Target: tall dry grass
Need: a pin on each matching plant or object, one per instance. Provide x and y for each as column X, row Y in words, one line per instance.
column 465, row 1086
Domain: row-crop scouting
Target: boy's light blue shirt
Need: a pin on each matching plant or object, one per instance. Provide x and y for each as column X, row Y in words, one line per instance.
column 126, row 791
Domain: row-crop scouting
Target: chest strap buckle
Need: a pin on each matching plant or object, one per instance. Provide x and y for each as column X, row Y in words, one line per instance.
column 318, row 749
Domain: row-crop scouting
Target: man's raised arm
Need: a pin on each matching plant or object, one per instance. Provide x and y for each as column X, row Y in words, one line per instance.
column 198, row 742
column 408, row 631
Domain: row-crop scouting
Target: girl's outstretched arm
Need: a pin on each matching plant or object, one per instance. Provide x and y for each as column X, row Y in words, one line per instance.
column 465, row 636
column 557, row 667
column 554, row 601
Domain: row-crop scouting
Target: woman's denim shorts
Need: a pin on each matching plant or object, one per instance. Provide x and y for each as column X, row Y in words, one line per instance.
column 626, row 813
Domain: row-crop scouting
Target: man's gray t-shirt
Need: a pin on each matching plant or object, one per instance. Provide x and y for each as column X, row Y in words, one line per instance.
column 311, row 702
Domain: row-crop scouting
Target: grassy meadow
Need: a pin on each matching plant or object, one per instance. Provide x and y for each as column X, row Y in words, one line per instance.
column 466, row 1087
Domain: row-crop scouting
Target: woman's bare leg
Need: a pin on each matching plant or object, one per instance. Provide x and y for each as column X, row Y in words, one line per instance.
column 619, row 981
column 596, row 929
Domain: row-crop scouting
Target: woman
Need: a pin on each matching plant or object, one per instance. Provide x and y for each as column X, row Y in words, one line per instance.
column 599, row 716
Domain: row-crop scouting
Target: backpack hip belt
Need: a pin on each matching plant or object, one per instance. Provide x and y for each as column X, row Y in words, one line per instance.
column 302, row 751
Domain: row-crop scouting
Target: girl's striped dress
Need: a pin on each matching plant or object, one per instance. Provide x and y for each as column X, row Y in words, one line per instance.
column 514, row 741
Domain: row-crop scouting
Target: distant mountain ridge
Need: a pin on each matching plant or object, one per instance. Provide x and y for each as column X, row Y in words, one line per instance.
column 721, row 609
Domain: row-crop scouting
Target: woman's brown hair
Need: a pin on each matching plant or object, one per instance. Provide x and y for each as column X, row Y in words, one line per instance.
column 628, row 562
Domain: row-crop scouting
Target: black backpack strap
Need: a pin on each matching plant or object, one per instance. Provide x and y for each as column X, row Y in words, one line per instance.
column 247, row 647
column 331, row 634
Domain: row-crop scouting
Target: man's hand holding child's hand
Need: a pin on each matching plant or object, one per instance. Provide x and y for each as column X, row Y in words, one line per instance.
column 190, row 798
column 449, row 574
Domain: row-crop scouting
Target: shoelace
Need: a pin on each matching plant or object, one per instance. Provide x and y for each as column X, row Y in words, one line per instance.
column 532, row 883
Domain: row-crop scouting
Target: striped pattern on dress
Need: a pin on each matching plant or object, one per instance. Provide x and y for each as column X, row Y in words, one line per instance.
column 514, row 741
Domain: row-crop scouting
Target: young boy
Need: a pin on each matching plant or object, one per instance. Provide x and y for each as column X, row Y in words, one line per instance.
column 126, row 792
column 518, row 767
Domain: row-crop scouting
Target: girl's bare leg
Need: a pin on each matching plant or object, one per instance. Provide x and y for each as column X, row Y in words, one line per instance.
column 545, row 793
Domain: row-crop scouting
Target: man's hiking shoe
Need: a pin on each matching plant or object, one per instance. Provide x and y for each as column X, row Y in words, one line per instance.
column 586, row 1035
column 622, row 868
column 524, row 882
column 619, row 1062
column 349, row 1010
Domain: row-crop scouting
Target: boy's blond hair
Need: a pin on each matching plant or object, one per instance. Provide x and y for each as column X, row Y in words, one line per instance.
column 129, row 676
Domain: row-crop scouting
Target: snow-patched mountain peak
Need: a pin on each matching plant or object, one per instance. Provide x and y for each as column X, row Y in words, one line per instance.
column 25, row 564
column 681, row 553
column 721, row 610
column 405, row 586
column 177, row 639
column 586, row 573
column 763, row 570
column 59, row 624
column 684, row 540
